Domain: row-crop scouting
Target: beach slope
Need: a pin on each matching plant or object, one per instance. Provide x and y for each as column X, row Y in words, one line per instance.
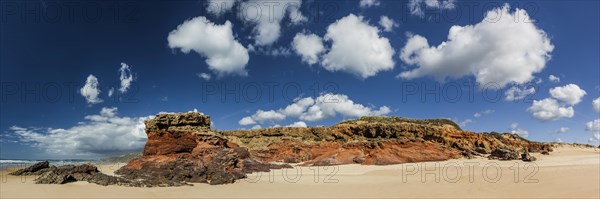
column 569, row 172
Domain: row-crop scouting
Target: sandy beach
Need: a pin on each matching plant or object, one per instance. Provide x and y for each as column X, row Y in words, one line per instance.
column 569, row 172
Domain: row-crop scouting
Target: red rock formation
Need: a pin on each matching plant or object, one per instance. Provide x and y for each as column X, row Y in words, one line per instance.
column 181, row 149
column 368, row 153
column 376, row 140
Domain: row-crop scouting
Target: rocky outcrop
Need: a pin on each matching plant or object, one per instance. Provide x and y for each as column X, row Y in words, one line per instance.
column 71, row 173
column 368, row 153
column 379, row 141
column 181, row 149
column 527, row 157
column 35, row 169
column 67, row 173
column 504, row 154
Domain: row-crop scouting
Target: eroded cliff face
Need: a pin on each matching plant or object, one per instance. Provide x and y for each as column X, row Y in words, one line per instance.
column 182, row 148
column 376, row 140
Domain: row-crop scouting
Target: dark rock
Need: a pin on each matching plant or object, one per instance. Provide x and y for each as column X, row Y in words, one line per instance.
column 527, row 158
column 358, row 159
column 41, row 171
column 105, row 180
column 468, row 154
column 67, row 173
column 481, row 150
column 84, row 172
column 504, row 154
column 251, row 165
column 34, row 169
column 545, row 152
column 71, row 173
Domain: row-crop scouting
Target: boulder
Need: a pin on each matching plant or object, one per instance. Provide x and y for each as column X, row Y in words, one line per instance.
column 71, row 173
column 504, row 154
column 105, row 180
column 67, row 173
column 35, row 169
column 481, row 150
column 527, row 158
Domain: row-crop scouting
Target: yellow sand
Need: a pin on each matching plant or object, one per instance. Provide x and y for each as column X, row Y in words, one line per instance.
column 569, row 172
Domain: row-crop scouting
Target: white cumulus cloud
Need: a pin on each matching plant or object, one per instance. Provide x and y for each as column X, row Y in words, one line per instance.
column 91, row 91
column 501, row 49
column 515, row 129
column 111, row 92
column 596, row 104
column 482, row 113
column 224, row 55
column 357, row 48
column 549, row 109
column 465, row 122
column 103, row 134
column 516, row 93
column 256, row 127
column 267, row 16
column 369, row 3
column 416, row 6
column 261, row 117
column 219, row 7
column 539, row 80
column 553, row 78
column 298, row 107
column 562, row 130
column 126, row 77
column 387, row 23
column 204, row 76
column 329, row 105
column 247, row 121
column 594, row 126
column 310, row 109
column 299, row 124
column 270, row 50
column 570, row 93
column 308, row 46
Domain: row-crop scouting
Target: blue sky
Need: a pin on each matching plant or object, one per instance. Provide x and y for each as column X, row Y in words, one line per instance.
column 313, row 63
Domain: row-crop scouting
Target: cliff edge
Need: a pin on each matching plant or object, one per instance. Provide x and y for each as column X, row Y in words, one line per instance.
column 378, row 140
column 182, row 148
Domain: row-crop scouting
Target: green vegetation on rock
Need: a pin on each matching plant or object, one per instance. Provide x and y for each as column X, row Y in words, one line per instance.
column 395, row 119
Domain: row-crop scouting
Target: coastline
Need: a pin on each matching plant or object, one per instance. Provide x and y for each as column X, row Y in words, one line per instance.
column 569, row 172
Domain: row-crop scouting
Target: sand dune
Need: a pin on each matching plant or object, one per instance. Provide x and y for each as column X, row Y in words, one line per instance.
column 569, row 172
